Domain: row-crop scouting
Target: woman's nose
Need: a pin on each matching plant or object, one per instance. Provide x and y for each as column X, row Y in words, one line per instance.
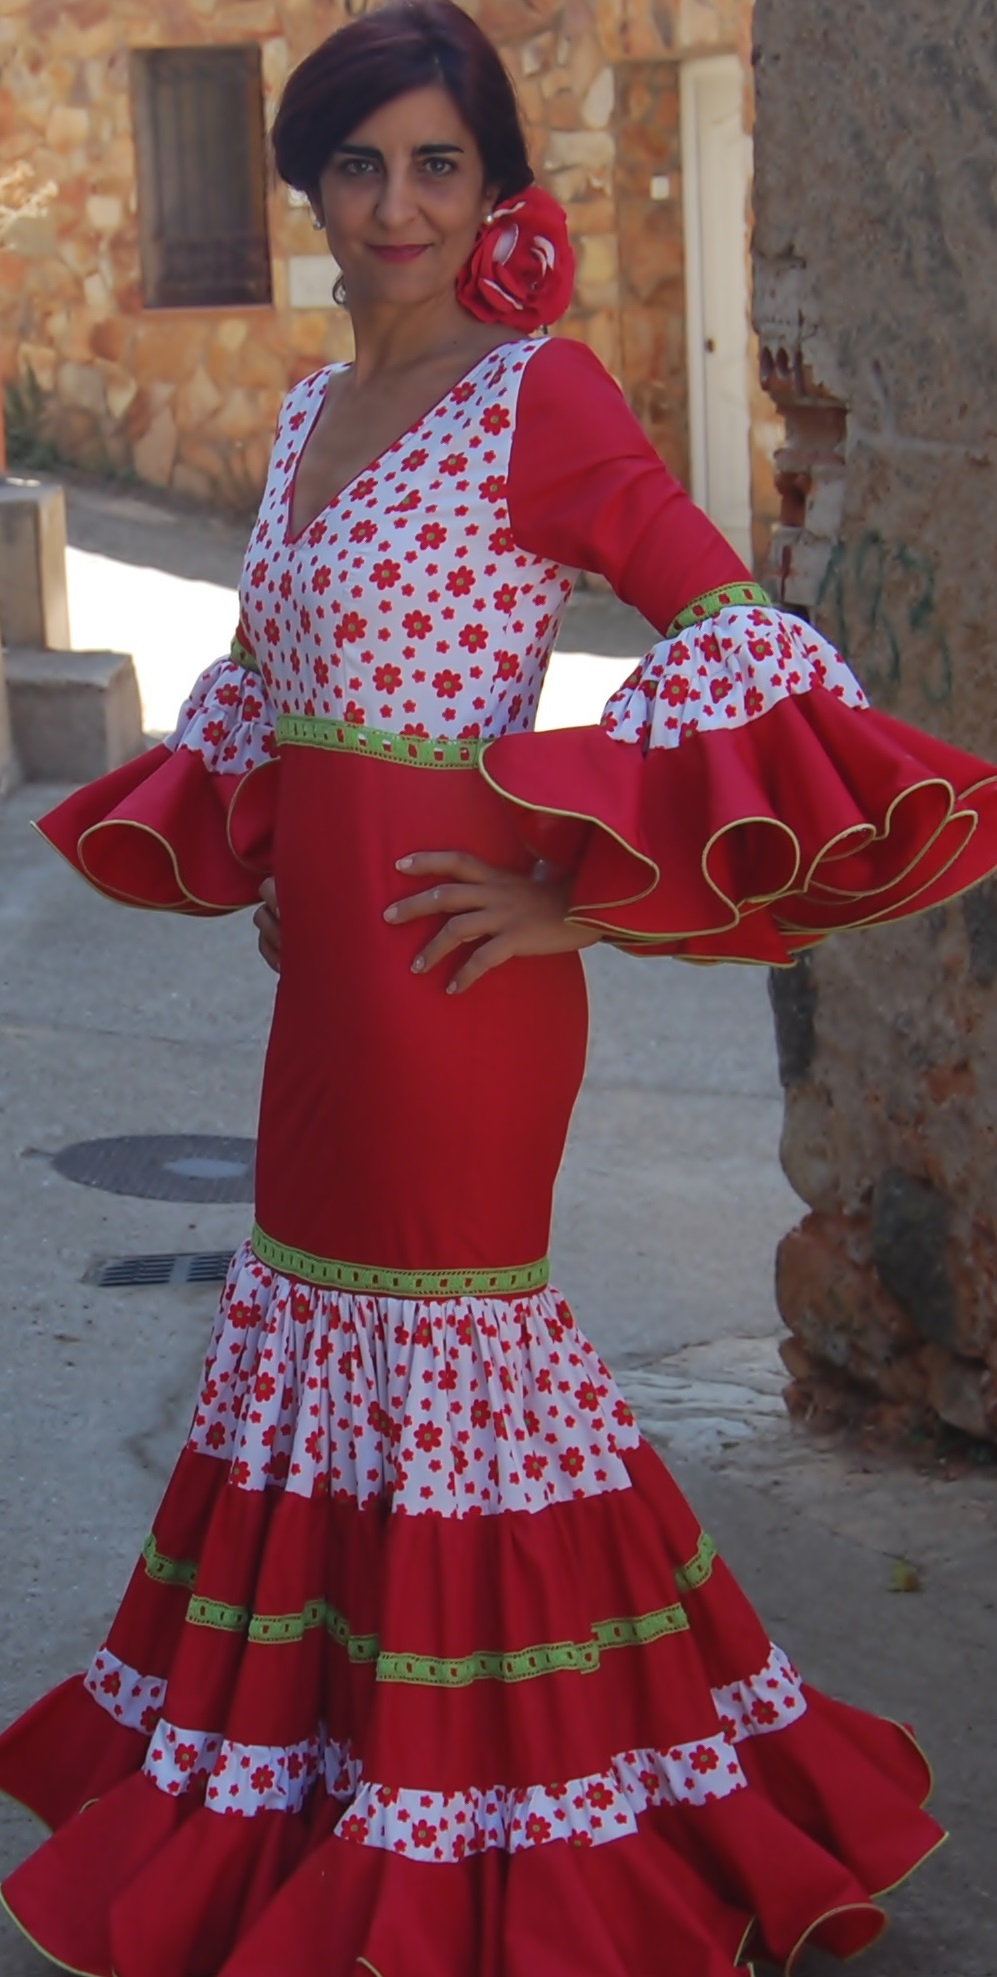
column 396, row 204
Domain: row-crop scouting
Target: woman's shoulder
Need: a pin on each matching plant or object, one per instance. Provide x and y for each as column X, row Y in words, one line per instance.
column 303, row 397
column 567, row 400
column 561, row 370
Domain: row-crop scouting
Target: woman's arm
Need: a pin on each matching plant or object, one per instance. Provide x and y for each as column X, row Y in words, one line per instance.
column 587, row 489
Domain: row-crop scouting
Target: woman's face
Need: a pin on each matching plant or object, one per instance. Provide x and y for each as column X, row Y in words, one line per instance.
column 402, row 199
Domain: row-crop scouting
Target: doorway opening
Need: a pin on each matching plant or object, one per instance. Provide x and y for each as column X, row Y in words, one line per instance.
column 716, row 176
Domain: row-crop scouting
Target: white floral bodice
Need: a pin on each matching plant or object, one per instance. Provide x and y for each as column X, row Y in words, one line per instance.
column 406, row 604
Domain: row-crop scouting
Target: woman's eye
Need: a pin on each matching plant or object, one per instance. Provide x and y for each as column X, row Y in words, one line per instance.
column 439, row 167
column 356, row 167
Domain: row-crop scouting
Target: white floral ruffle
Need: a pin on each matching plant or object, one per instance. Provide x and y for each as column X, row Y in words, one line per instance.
column 227, row 720
column 134, row 1700
column 723, row 673
column 460, row 1406
column 444, row 1826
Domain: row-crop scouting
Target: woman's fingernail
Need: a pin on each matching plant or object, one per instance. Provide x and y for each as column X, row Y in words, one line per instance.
column 403, row 864
column 451, row 988
column 418, row 965
column 391, row 912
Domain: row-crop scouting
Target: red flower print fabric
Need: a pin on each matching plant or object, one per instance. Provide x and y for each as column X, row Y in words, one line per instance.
column 230, row 1777
column 397, row 607
column 459, row 1407
column 227, row 720
column 723, row 673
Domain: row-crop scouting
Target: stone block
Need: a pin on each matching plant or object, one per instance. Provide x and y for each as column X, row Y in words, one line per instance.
column 105, row 211
column 156, row 451
column 597, row 106
column 74, row 715
column 10, row 770
column 592, row 150
column 81, row 385
column 33, row 604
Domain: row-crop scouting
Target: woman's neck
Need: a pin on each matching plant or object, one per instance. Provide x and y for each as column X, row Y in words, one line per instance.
column 395, row 341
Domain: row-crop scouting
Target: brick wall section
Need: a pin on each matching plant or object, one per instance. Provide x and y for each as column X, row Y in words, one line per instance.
column 873, row 304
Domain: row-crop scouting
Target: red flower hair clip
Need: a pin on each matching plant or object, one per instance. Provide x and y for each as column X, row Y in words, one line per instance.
column 521, row 269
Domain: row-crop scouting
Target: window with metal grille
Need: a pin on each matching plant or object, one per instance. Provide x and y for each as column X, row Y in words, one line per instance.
column 201, row 176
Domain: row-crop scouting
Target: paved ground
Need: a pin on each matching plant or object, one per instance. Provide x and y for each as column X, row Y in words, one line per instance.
column 669, row 1209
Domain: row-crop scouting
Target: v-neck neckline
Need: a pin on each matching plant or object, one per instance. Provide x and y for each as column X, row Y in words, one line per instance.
column 294, row 540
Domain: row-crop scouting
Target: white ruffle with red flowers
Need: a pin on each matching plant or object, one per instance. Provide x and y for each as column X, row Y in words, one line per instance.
column 723, row 673
column 227, row 720
column 134, row 1700
column 460, row 1406
column 445, row 1826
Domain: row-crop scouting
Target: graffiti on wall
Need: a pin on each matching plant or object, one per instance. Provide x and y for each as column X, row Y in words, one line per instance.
column 877, row 602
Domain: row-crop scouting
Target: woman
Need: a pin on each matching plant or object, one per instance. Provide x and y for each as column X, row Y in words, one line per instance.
column 421, row 1613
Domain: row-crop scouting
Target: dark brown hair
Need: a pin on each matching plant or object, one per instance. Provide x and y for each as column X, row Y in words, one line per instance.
column 404, row 45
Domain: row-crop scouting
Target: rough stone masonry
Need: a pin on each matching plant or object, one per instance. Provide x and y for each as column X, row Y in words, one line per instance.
column 876, row 203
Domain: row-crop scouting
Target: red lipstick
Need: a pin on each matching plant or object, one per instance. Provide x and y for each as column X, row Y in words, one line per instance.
column 401, row 253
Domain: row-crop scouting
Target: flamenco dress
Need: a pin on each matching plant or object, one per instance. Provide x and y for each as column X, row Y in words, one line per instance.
column 427, row 1668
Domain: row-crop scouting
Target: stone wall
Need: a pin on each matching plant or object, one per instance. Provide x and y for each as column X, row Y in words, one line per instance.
column 186, row 399
column 874, row 303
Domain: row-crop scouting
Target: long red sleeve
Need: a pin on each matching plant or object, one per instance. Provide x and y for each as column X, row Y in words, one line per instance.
column 587, row 488
column 739, row 799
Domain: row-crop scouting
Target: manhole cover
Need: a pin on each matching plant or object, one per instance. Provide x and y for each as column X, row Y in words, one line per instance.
column 178, row 1167
column 128, row 1272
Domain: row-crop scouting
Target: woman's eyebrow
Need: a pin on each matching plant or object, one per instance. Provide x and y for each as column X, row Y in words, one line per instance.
column 371, row 151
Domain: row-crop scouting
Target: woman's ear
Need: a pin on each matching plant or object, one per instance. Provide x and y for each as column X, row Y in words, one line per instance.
column 318, row 217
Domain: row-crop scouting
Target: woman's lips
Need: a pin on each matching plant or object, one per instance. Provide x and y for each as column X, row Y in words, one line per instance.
column 401, row 253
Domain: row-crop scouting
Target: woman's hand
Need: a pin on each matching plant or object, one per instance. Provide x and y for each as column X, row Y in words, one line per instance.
column 507, row 913
column 266, row 919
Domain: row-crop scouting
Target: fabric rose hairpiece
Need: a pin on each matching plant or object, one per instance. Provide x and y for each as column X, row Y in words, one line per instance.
column 521, row 269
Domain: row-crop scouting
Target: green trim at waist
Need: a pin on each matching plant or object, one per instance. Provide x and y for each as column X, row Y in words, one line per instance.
column 332, row 1274
column 413, row 751
column 242, row 655
column 714, row 601
column 436, row 1671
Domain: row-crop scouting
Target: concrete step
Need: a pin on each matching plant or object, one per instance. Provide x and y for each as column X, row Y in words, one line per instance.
column 74, row 715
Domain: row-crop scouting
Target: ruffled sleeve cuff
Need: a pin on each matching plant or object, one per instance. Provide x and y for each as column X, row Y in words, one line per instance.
column 186, row 827
column 741, row 800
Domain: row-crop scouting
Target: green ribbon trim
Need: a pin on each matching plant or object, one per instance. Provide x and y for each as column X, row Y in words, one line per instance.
column 331, row 1273
column 414, row 752
column 167, row 1571
column 280, row 1629
column 242, row 655
column 432, row 1671
column 550, row 1658
column 714, row 601
column 690, row 1577
column 214, row 1613
column 277, row 1629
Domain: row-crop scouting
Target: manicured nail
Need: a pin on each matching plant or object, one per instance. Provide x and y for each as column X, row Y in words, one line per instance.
column 418, row 965
column 451, row 988
column 391, row 912
column 403, row 864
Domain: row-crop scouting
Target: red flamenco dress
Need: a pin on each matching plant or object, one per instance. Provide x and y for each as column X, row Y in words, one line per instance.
column 427, row 1668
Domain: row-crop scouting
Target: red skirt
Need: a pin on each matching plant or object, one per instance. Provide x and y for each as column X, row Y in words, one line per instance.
column 427, row 1668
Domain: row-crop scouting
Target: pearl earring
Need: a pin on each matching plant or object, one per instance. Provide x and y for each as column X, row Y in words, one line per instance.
column 318, row 225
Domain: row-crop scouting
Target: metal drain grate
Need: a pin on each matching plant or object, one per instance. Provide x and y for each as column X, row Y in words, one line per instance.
column 160, row 1167
column 125, row 1272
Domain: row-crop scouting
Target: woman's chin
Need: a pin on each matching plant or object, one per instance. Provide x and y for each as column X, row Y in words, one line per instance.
column 402, row 282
